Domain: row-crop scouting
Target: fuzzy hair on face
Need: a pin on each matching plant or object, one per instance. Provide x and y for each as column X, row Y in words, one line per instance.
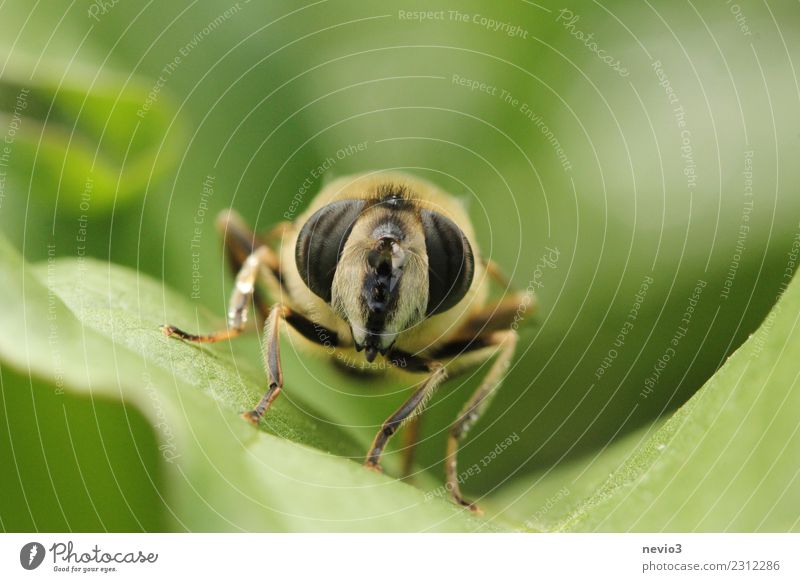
column 381, row 283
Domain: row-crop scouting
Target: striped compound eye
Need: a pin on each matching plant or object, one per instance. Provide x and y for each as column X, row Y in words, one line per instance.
column 320, row 244
column 451, row 264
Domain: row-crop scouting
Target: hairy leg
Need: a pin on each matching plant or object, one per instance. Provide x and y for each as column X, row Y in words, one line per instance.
column 239, row 242
column 410, row 408
column 278, row 315
column 242, row 295
column 504, row 345
column 250, row 259
column 462, row 356
column 410, row 441
column 510, row 312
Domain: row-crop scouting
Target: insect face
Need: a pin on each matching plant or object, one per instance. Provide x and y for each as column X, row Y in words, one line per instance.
column 381, row 282
column 384, row 265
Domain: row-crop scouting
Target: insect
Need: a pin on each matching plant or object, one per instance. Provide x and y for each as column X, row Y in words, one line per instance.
column 380, row 265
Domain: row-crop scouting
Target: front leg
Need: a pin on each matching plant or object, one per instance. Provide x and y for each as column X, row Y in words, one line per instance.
column 411, row 407
column 243, row 292
column 314, row 332
column 251, row 259
column 272, row 358
column 239, row 242
column 461, row 356
column 499, row 344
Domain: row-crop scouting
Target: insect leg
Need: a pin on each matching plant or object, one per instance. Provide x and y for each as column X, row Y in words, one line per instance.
column 272, row 358
column 410, row 441
column 496, row 273
column 243, row 292
column 410, row 408
column 464, row 355
column 272, row 352
column 470, row 339
column 238, row 239
column 511, row 311
column 504, row 345
column 239, row 243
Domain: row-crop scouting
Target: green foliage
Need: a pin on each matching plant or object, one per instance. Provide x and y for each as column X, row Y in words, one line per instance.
column 90, row 147
column 726, row 461
column 94, row 329
column 91, row 344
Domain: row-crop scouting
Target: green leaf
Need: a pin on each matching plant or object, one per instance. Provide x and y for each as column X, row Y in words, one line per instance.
column 73, row 463
column 93, row 330
column 725, row 461
column 87, row 149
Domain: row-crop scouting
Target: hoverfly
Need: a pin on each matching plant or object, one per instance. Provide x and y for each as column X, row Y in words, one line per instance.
column 380, row 265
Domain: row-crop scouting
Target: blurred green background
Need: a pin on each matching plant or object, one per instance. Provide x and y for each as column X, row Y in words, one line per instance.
column 677, row 167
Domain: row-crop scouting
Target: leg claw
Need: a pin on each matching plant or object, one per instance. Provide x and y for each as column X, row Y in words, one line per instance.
column 473, row 507
column 252, row 417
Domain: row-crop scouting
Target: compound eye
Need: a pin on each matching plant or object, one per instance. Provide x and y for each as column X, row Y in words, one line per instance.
column 451, row 264
column 320, row 244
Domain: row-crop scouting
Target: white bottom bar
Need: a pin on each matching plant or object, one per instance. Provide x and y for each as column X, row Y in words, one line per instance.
column 394, row 557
